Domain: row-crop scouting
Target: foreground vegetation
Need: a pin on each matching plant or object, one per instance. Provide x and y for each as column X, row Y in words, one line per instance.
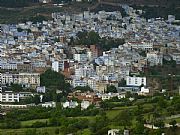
column 114, row 113
column 33, row 14
column 130, row 113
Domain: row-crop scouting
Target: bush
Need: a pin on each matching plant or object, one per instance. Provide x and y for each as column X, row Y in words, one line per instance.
column 56, row 131
column 11, row 123
column 39, row 124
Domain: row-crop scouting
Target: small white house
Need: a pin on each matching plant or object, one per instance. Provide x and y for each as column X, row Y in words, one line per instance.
column 126, row 132
column 41, row 89
column 107, row 96
column 48, row 104
column 113, row 132
column 70, row 104
column 44, row 1
column 144, row 91
column 85, row 104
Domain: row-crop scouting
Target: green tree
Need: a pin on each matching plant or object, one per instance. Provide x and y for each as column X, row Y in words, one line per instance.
column 111, row 88
column 162, row 102
column 139, row 129
column 54, row 121
column 16, row 87
column 99, row 123
column 128, row 94
column 30, row 132
column 57, row 131
column 83, row 89
column 36, row 99
column 159, row 123
column 124, row 118
column 173, row 124
column 28, row 30
column 106, row 105
column 56, row 39
column 93, row 37
column 122, row 83
column 38, row 18
column 38, row 124
column 53, row 80
column 19, row 29
column 11, row 123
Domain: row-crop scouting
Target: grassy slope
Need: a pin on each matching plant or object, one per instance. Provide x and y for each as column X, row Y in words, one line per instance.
column 15, row 16
column 111, row 114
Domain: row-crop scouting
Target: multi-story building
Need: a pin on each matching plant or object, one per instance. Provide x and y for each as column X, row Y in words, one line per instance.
column 176, row 57
column 7, row 78
column 96, row 51
column 29, row 79
column 8, row 66
column 92, row 83
column 9, row 96
column 154, row 58
column 140, row 45
column 60, row 65
column 135, row 81
column 81, row 83
column 24, row 67
column 25, row 79
column 55, row 66
column 81, row 57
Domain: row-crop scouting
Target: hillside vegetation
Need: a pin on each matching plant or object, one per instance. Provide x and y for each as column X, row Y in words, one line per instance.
column 165, row 3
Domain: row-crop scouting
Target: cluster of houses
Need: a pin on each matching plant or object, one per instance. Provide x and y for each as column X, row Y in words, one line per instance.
column 28, row 49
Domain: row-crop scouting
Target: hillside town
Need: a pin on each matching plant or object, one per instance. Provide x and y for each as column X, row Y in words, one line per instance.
column 28, row 50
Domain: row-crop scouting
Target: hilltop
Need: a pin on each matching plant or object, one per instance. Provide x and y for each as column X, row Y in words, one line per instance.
column 162, row 3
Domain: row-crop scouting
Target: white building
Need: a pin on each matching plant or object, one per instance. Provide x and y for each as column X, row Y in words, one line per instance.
column 171, row 18
column 113, row 132
column 86, row 14
column 81, row 57
column 29, row 79
column 55, row 66
column 8, row 66
column 70, row 104
column 48, row 104
column 24, row 95
column 9, row 96
column 144, row 91
column 25, row 79
column 176, row 57
column 10, row 106
column 44, row 1
column 140, row 45
column 41, row 89
column 92, row 83
column 126, row 132
column 154, row 58
column 80, row 72
column 135, row 81
column 81, row 83
column 7, row 78
column 108, row 96
column 85, row 104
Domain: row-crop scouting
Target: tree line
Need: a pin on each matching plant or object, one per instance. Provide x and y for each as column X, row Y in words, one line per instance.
column 16, row 3
column 93, row 38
